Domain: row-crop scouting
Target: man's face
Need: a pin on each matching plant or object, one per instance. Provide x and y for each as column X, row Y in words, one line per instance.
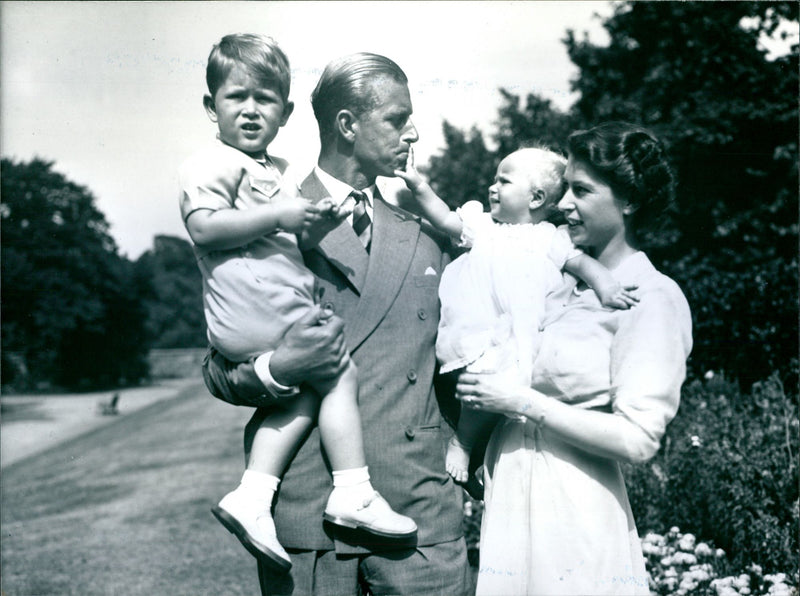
column 385, row 133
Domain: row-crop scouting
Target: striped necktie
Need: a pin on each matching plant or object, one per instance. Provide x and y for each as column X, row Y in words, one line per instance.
column 361, row 221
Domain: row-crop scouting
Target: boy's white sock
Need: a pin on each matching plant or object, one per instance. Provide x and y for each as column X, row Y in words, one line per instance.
column 355, row 482
column 261, row 485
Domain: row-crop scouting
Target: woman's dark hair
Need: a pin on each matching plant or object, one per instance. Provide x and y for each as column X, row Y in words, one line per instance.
column 632, row 161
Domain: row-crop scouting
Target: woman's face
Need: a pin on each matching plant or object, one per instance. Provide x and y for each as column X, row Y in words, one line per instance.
column 594, row 214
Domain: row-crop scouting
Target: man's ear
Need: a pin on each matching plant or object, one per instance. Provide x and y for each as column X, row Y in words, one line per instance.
column 538, row 199
column 210, row 106
column 288, row 108
column 346, row 125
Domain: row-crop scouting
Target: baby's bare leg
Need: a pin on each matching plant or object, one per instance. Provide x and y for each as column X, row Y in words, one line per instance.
column 471, row 426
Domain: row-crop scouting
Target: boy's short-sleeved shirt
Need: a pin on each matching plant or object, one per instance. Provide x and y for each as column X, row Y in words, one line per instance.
column 254, row 292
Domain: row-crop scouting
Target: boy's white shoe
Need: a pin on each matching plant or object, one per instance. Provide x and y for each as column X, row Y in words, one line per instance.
column 373, row 515
column 247, row 519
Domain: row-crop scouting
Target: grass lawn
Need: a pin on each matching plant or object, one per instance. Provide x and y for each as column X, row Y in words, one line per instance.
column 124, row 510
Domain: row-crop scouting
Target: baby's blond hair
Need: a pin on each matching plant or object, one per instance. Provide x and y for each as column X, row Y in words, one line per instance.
column 545, row 169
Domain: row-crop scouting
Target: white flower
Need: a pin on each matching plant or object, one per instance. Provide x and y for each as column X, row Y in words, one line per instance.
column 743, row 581
column 703, row 550
column 709, row 375
column 687, row 542
column 681, row 558
column 719, row 553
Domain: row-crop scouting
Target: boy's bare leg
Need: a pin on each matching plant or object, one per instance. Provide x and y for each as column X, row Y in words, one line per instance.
column 353, row 503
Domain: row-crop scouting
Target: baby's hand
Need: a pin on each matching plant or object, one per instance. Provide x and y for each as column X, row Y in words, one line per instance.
column 410, row 175
column 296, row 214
column 617, row 296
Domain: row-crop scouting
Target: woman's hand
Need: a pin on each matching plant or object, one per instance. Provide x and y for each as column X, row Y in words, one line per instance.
column 490, row 392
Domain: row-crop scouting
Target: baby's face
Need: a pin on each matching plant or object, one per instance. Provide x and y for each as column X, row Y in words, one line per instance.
column 247, row 112
column 510, row 195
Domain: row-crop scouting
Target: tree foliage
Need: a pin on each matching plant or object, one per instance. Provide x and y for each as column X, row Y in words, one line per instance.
column 694, row 72
column 70, row 312
column 172, row 294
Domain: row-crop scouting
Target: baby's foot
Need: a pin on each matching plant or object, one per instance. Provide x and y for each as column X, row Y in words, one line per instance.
column 457, row 460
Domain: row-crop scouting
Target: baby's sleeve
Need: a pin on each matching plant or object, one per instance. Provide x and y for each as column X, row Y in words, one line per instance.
column 473, row 219
column 562, row 249
column 207, row 183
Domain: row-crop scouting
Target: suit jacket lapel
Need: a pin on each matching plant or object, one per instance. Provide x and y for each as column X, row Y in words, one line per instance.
column 341, row 247
column 394, row 242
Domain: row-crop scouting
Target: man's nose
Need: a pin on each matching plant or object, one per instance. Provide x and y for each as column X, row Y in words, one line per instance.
column 410, row 134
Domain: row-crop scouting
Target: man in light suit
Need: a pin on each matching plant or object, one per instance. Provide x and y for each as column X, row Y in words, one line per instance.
column 381, row 281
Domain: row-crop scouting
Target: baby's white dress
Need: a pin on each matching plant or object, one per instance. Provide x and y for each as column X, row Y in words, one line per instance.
column 493, row 296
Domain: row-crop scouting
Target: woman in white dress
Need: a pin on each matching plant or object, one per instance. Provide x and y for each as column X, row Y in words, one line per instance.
column 605, row 385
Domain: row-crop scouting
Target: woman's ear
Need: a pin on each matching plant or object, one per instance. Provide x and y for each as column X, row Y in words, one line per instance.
column 629, row 209
column 347, row 125
column 210, row 106
column 538, row 199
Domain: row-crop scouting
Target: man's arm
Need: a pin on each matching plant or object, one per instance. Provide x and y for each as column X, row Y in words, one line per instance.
column 312, row 349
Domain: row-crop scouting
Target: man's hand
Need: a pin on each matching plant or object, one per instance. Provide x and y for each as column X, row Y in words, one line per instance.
column 313, row 349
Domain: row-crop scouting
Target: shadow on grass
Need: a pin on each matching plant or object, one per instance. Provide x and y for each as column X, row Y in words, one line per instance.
column 23, row 412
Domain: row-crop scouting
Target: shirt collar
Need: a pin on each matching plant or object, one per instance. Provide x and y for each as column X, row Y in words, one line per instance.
column 339, row 190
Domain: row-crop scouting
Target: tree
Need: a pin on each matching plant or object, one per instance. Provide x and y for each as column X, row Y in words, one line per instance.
column 695, row 74
column 70, row 313
column 172, row 289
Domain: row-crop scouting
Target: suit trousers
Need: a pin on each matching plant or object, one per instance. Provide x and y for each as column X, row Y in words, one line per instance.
column 435, row 570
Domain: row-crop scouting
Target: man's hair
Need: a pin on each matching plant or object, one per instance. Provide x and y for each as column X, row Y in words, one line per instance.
column 346, row 83
column 259, row 55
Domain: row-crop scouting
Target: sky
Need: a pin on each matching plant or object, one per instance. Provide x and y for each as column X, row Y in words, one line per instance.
column 112, row 91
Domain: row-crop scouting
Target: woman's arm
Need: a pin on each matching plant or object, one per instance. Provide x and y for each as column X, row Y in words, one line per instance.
column 601, row 433
column 648, row 365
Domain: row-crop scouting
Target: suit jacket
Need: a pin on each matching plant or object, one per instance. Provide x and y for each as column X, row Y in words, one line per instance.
column 388, row 300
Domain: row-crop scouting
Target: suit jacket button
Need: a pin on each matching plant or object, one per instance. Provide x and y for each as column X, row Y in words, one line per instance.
column 410, row 433
column 412, row 376
column 328, row 306
column 422, row 314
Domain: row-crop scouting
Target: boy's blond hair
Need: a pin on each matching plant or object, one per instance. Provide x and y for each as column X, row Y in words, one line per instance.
column 261, row 57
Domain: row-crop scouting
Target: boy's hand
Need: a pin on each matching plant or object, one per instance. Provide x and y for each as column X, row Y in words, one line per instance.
column 329, row 216
column 617, row 296
column 296, row 214
column 328, row 210
column 410, row 175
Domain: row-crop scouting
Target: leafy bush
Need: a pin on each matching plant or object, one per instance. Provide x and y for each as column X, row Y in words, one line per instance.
column 727, row 472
